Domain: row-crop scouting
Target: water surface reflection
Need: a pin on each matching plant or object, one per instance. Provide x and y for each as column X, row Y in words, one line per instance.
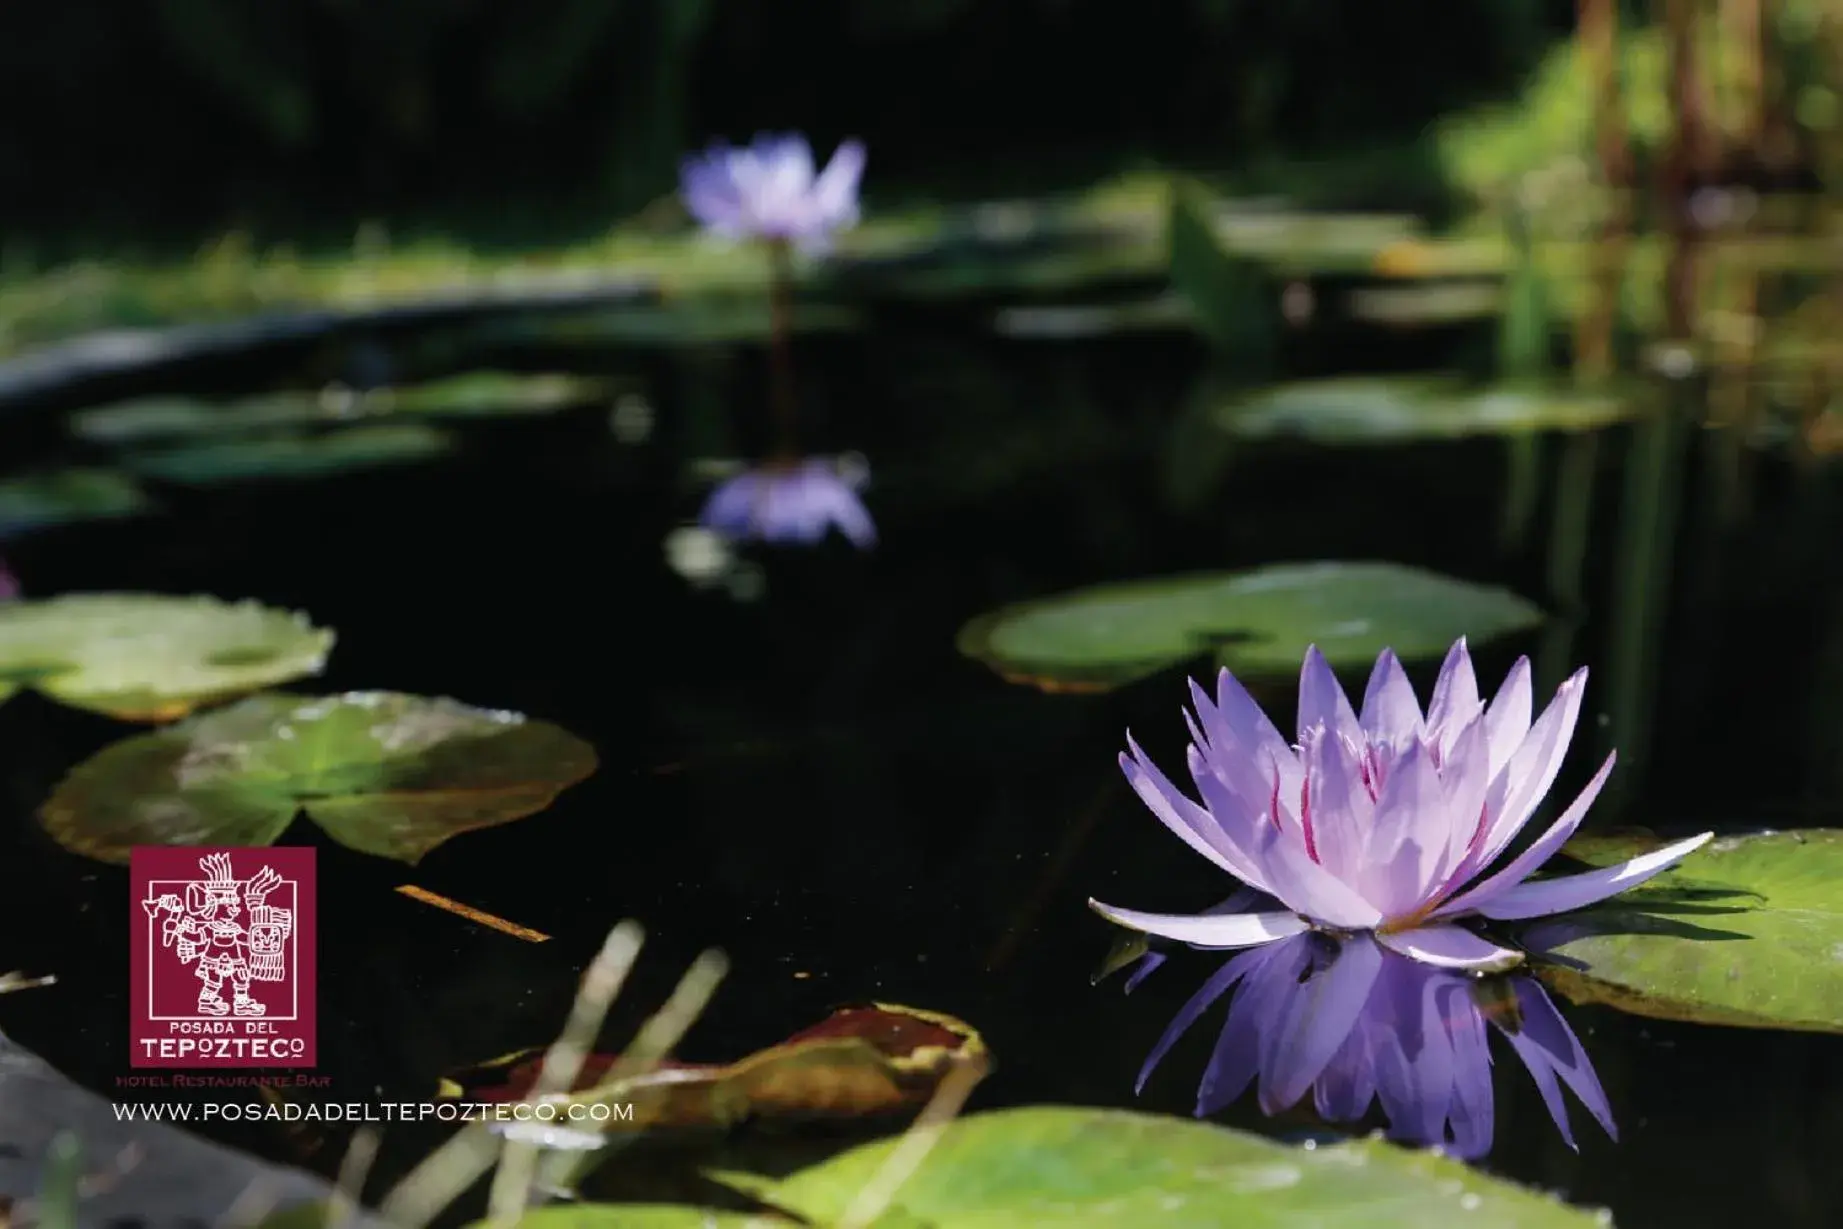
column 1354, row 1024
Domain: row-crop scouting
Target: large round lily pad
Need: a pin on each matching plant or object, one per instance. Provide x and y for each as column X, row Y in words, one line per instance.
column 1747, row 931
column 1063, row 1167
column 383, row 773
column 62, row 497
column 152, row 657
column 1258, row 622
column 292, row 454
column 1414, row 408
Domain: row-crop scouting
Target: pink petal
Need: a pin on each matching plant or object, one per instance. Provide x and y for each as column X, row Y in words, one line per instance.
column 1466, row 775
column 1252, row 733
column 1342, row 810
column 1391, row 714
column 1218, row 930
column 1298, row 882
column 1195, row 826
column 835, row 192
column 1507, row 718
column 1451, row 947
column 1455, row 693
column 1522, row 782
column 1322, row 700
column 1244, row 803
column 1244, row 748
column 1540, row 851
column 1409, row 836
column 1538, row 897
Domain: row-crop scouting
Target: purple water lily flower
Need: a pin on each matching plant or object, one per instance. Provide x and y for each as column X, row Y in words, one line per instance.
column 1385, row 821
column 1355, row 1023
column 769, row 191
column 789, row 502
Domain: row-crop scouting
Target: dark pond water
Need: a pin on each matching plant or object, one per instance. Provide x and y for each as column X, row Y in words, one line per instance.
column 813, row 780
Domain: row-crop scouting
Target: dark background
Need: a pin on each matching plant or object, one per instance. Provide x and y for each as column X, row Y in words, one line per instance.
column 143, row 118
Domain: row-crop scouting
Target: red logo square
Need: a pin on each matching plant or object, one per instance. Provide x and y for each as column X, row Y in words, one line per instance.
column 222, row 957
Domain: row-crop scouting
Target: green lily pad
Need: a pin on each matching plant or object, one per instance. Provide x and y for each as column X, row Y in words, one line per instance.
column 477, row 394
column 152, row 657
column 484, row 394
column 688, row 322
column 1747, row 931
column 1056, row 1167
column 145, row 419
column 67, row 496
column 292, row 455
column 1409, row 409
column 1258, row 622
column 381, row 772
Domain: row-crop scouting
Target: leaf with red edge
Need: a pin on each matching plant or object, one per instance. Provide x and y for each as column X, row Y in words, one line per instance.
column 861, row 1061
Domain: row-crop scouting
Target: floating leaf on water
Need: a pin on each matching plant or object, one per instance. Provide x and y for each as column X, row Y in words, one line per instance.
column 146, row 419
column 1258, row 622
column 1406, row 409
column 152, row 657
column 382, row 772
column 477, row 394
column 1432, row 303
column 293, row 455
column 482, row 394
column 1063, row 1167
column 1747, row 932
column 687, row 322
column 62, row 497
column 1079, row 321
column 878, row 1058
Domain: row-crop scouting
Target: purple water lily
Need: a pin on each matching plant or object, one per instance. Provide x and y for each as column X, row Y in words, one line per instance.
column 769, row 190
column 796, row 501
column 1355, row 1023
column 1386, row 821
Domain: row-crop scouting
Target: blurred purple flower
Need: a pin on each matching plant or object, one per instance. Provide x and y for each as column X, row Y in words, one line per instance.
column 1354, row 1023
column 769, row 191
column 9, row 583
column 789, row 502
column 1383, row 822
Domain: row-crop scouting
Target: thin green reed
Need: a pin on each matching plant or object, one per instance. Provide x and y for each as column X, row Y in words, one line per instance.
column 1522, row 354
column 57, row 1197
column 1571, row 509
column 1645, row 551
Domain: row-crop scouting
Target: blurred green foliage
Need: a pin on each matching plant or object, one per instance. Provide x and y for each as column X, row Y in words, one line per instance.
column 149, row 115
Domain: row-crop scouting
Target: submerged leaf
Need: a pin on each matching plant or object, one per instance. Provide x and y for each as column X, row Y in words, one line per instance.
column 878, row 1058
column 1061, row 1167
column 152, row 657
column 67, row 496
column 474, row 394
column 1413, row 408
column 1259, row 622
column 381, row 772
column 292, row 454
column 1747, row 931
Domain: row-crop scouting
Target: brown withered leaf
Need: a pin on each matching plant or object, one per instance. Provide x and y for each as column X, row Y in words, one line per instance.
column 861, row 1061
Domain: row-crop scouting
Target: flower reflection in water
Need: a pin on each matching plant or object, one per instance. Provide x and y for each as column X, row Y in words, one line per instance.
column 1354, row 1023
